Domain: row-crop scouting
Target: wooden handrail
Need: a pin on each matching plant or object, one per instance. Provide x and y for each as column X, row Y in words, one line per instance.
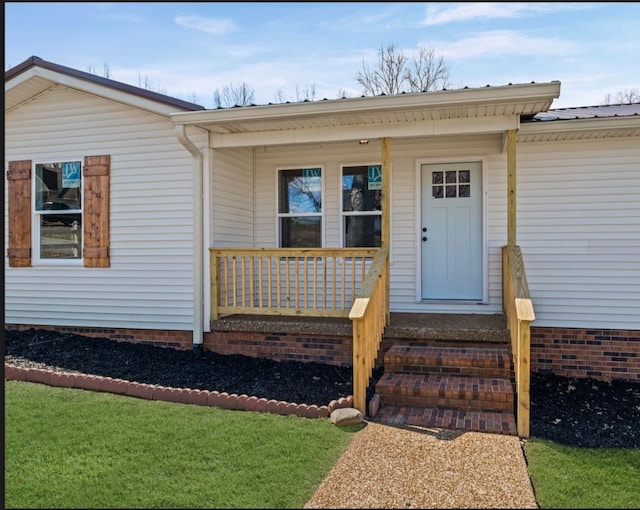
column 517, row 306
column 369, row 316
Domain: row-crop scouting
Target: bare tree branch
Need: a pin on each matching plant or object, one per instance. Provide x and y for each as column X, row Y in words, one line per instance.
column 428, row 72
column 387, row 76
column 626, row 96
column 306, row 93
column 234, row 95
column 280, row 96
column 393, row 73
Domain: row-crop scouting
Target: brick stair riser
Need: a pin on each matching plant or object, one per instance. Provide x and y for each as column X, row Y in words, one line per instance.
column 480, row 421
column 447, row 403
column 443, row 390
column 482, row 395
column 471, row 371
column 421, row 356
column 387, row 343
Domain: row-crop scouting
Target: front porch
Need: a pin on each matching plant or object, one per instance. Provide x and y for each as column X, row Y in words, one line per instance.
column 332, row 307
column 464, row 329
column 450, row 371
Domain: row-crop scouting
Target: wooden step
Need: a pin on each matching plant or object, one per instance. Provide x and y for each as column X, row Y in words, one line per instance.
column 454, row 419
column 446, row 391
column 479, row 362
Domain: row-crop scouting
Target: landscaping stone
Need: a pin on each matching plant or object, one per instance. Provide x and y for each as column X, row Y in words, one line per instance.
column 346, row 416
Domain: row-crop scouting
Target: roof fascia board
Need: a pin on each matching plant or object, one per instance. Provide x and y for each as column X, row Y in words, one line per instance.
column 155, row 97
column 19, row 79
column 425, row 128
column 453, row 98
column 592, row 124
column 106, row 92
column 109, row 93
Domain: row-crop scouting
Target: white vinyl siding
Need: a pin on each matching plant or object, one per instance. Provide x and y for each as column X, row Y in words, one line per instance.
column 404, row 230
column 149, row 284
column 232, row 198
column 579, row 230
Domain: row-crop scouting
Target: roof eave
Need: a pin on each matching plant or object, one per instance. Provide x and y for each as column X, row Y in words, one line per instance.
column 87, row 82
column 508, row 94
column 588, row 124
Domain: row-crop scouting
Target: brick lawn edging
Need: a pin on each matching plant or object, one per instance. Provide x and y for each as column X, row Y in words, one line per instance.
column 181, row 395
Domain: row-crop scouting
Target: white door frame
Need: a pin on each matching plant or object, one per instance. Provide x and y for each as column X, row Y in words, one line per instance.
column 418, row 227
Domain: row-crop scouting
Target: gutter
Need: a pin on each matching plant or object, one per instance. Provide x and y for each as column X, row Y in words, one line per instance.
column 198, row 271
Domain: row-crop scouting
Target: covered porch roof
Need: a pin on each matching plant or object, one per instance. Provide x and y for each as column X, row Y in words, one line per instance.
column 461, row 111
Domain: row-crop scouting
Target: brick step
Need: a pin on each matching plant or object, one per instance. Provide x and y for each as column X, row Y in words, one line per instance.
column 444, row 390
column 479, row 362
column 456, row 419
column 388, row 342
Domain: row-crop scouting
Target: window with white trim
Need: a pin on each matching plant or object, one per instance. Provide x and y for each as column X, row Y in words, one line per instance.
column 361, row 206
column 300, row 207
column 37, row 226
column 58, row 210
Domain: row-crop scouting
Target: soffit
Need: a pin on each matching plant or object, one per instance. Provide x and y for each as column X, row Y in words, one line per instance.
column 27, row 90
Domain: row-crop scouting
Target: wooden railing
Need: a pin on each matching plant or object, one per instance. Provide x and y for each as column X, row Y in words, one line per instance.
column 369, row 315
column 320, row 282
column 518, row 308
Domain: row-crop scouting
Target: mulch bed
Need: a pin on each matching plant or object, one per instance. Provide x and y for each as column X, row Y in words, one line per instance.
column 576, row 412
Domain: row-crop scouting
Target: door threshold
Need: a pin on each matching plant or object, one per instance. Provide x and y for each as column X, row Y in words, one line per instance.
column 451, row 302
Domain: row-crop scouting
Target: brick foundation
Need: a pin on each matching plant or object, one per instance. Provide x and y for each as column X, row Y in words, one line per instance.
column 158, row 337
column 586, row 353
column 331, row 350
column 570, row 352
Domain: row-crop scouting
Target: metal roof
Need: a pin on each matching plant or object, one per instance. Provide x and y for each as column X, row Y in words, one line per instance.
column 582, row 123
column 589, row 112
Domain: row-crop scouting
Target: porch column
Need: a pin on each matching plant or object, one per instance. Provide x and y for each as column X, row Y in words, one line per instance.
column 385, row 240
column 386, row 186
column 511, row 187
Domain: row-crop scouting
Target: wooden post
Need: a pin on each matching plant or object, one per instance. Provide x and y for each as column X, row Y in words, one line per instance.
column 511, row 187
column 385, row 241
column 215, row 283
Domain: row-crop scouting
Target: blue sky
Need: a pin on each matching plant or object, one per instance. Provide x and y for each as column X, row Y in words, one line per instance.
column 188, row 50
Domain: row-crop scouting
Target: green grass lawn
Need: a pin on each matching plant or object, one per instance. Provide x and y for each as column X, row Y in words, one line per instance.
column 70, row 448
column 567, row 477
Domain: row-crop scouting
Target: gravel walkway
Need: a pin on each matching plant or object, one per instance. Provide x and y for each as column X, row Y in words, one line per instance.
column 391, row 467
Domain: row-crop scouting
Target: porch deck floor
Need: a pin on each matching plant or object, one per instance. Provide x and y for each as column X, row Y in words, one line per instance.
column 475, row 327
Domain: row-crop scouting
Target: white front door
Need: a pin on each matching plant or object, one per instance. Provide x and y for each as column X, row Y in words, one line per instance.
column 451, row 231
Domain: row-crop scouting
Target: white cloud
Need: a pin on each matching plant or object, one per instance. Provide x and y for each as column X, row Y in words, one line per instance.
column 497, row 43
column 245, row 51
column 439, row 14
column 366, row 20
column 215, row 26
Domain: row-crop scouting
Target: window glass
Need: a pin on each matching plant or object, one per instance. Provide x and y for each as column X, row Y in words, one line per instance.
column 300, row 232
column 457, row 184
column 300, row 208
column 58, row 208
column 362, row 205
